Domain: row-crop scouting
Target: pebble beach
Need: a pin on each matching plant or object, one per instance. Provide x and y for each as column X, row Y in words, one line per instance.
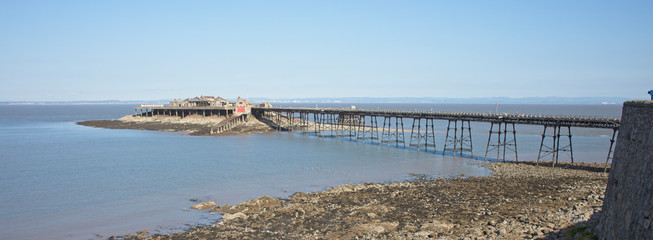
column 518, row 201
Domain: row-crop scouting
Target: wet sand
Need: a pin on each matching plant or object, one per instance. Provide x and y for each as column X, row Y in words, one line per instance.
column 518, row 201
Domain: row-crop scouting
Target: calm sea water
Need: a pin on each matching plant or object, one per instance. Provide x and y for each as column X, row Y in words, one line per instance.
column 65, row 181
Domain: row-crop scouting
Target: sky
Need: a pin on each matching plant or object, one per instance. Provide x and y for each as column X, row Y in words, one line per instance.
column 150, row 50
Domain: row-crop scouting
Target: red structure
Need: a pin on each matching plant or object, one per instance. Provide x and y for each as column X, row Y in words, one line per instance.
column 243, row 106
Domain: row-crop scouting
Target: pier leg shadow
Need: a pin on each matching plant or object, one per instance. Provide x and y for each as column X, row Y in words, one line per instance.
column 585, row 230
column 591, row 167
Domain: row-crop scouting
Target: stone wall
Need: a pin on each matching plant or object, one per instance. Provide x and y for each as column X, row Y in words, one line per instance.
column 628, row 203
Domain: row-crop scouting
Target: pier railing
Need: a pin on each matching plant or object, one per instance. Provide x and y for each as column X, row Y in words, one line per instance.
column 530, row 119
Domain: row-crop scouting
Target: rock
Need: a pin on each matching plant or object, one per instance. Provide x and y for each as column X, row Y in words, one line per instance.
column 375, row 227
column 229, row 216
column 437, row 226
column 252, row 206
column 410, row 228
column 424, row 234
column 203, row 205
column 476, row 232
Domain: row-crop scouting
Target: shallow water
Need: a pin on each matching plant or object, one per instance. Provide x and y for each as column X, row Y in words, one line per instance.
column 65, row 181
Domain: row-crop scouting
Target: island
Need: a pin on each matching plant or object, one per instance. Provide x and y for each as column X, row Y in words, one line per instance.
column 202, row 116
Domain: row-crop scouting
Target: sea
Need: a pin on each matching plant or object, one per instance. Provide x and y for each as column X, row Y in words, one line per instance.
column 61, row 180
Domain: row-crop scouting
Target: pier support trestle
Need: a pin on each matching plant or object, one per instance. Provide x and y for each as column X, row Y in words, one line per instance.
column 610, row 152
column 419, row 135
column 502, row 143
column 555, row 148
column 327, row 126
column 455, row 143
column 390, row 135
column 347, row 126
column 365, row 132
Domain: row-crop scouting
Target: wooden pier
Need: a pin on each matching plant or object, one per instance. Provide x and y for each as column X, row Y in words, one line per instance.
column 362, row 125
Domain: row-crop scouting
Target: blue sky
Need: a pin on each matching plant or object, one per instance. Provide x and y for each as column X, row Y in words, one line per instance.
column 147, row 50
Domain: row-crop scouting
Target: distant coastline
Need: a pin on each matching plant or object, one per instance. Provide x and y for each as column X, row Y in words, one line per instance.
column 479, row 100
column 109, row 102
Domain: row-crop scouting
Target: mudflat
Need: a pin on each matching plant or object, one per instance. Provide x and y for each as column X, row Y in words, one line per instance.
column 518, row 201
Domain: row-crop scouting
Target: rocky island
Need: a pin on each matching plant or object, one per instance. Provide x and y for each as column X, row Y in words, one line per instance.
column 205, row 116
column 193, row 125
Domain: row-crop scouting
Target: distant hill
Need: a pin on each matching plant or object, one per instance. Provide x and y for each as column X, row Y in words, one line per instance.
column 131, row 102
column 484, row 100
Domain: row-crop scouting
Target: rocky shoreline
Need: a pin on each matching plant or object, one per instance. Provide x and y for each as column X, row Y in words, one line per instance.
column 192, row 125
column 518, row 201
